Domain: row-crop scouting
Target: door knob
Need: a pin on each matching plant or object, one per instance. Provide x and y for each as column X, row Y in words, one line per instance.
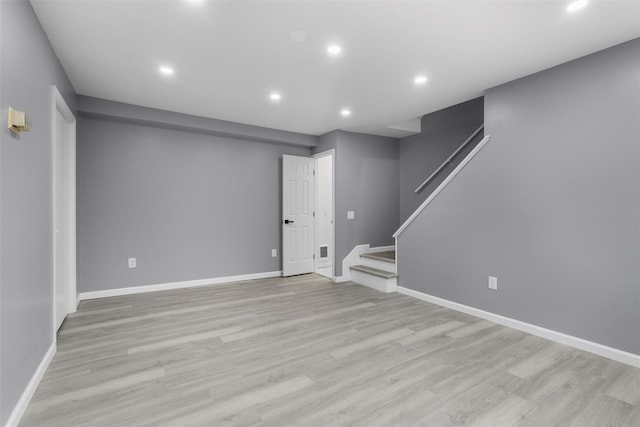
column 288, row 221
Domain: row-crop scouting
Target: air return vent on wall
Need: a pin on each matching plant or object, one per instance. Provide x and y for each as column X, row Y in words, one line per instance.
column 324, row 251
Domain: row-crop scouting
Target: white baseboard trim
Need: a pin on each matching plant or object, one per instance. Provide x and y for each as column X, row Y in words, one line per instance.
column 175, row 285
column 339, row 279
column 27, row 394
column 579, row 343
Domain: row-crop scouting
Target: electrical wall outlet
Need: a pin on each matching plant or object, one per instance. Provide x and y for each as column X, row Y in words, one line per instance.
column 493, row 283
column 274, row 253
column 132, row 263
column 351, row 214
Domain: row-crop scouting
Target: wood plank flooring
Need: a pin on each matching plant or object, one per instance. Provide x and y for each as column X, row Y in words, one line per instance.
column 303, row 351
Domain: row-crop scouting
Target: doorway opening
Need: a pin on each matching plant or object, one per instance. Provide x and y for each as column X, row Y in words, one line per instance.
column 325, row 214
column 308, row 187
column 64, row 209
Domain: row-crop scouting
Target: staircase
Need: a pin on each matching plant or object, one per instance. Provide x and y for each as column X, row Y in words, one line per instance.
column 376, row 270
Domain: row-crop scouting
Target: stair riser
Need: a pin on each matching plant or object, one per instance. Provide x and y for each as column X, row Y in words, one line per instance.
column 381, row 265
column 378, row 283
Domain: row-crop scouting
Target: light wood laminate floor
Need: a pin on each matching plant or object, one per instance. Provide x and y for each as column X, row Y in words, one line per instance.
column 303, row 351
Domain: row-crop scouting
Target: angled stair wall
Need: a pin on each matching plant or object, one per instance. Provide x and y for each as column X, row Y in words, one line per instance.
column 550, row 207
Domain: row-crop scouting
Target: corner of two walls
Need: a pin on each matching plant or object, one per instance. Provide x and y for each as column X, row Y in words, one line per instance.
column 187, row 204
column 366, row 183
column 376, row 176
column 191, row 205
column 550, row 206
column 26, row 217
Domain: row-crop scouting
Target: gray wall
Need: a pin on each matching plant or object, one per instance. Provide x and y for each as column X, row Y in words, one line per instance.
column 366, row 182
column 326, row 142
column 188, row 205
column 28, row 70
column 191, row 204
column 442, row 133
column 550, row 206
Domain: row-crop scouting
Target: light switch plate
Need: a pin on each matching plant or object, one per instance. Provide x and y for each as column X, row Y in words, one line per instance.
column 274, row 253
column 351, row 214
column 493, row 283
column 132, row 263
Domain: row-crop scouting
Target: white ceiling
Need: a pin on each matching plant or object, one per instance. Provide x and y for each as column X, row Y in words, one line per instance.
column 229, row 55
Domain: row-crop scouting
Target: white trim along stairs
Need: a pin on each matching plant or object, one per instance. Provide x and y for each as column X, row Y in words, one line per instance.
column 376, row 269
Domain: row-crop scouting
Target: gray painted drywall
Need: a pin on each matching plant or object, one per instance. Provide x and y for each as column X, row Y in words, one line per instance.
column 442, row 133
column 132, row 113
column 550, row 206
column 326, row 142
column 28, row 69
column 187, row 205
column 366, row 182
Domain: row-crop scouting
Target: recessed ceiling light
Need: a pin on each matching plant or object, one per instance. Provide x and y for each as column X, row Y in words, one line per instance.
column 420, row 80
column 195, row 1
column 334, row 49
column 167, row 71
column 345, row 112
column 275, row 96
column 577, row 5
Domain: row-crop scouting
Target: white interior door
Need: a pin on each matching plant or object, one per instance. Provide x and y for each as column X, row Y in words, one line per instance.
column 297, row 210
column 61, row 214
column 324, row 213
column 64, row 258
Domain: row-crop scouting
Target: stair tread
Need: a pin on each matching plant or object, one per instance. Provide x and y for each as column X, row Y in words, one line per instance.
column 387, row 256
column 374, row 271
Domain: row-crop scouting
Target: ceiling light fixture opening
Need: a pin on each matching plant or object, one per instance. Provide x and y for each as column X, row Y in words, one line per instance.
column 577, row 5
column 334, row 49
column 275, row 96
column 420, row 80
column 165, row 70
column 345, row 112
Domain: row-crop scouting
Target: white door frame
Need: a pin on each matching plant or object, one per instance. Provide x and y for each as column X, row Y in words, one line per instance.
column 59, row 105
column 332, row 153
